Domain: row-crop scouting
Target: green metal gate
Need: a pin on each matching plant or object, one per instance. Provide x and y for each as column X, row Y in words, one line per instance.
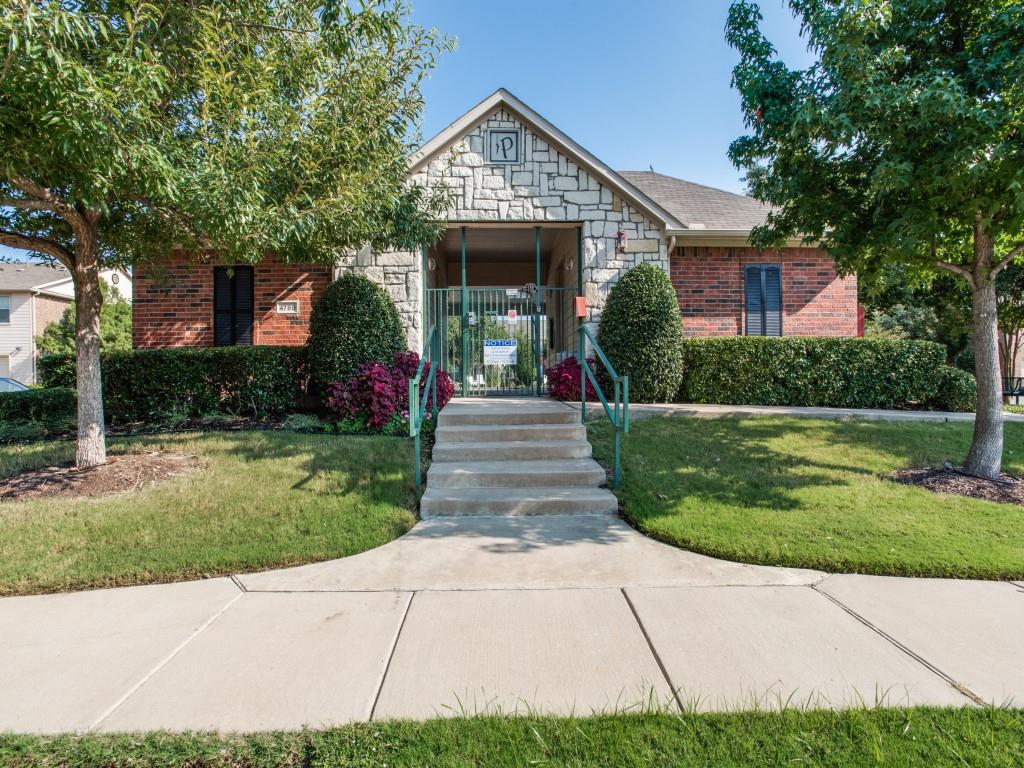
column 507, row 336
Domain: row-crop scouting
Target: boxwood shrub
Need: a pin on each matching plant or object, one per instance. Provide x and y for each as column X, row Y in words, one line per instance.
column 52, row 406
column 821, row 371
column 148, row 384
column 640, row 333
column 354, row 322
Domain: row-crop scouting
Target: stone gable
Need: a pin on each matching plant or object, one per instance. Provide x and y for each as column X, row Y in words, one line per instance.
column 546, row 186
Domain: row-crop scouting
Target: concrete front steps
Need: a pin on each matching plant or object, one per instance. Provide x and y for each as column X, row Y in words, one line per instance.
column 513, row 456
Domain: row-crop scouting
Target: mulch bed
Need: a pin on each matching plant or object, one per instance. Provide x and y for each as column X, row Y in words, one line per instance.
column 121, row 473
column 1007, row 490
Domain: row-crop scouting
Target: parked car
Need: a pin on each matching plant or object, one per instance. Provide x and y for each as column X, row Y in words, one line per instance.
column 10, row 385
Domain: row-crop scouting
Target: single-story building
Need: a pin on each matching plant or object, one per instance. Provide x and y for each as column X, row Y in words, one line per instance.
column 31, row 297
column 536, row 221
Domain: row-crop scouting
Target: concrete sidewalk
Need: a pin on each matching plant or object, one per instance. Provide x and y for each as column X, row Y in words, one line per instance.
column 468, row 615
column 709, row 411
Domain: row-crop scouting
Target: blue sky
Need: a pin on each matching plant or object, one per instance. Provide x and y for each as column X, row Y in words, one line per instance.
column 639, row 84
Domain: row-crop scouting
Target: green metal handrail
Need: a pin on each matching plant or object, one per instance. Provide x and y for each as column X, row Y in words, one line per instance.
column 619, row 415
column 418, row 403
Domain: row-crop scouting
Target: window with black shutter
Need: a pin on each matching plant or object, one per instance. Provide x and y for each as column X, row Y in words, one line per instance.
column 232, row 306
column 762, row 295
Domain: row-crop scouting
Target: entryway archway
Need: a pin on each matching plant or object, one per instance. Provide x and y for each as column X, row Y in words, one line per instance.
column 500, row 301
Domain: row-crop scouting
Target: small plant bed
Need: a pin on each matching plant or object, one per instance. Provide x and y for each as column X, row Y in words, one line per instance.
column 811, row 493
column 262, row 500
column 912, row 738
column 130, row 472
column 1006, row 490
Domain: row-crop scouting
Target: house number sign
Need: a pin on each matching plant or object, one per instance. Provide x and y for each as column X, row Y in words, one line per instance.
column 503, row 146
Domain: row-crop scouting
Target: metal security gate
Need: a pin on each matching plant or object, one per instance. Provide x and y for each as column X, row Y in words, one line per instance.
column 501, row 340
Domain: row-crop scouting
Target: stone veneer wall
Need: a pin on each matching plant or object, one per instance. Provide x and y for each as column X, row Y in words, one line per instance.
column 548, row 186
column 815, row 300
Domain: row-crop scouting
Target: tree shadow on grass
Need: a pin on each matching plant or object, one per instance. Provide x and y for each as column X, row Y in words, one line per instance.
column 721, row 462
column 332, row 465
column 768, row 462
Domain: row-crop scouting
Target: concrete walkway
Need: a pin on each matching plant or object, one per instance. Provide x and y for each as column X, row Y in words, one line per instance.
column 467, row 615
column 701, row 410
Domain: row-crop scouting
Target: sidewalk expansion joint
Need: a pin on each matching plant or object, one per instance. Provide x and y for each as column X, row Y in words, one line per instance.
column 163, row 663
column 654, row 651
column 391, row 656
column 238, row 583
column 960, row 687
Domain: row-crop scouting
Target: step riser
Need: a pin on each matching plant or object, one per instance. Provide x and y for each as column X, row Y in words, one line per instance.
column 567, row 416
column 505, row 480
column 447, row 508
column 488, row 434
column 497, row 451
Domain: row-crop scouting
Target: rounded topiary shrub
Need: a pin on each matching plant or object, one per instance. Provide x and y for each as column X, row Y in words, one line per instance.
column 355, row 322
column 640, row 333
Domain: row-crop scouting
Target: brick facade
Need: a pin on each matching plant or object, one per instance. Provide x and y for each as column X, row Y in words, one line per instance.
column 172, row 303
column 815, row 300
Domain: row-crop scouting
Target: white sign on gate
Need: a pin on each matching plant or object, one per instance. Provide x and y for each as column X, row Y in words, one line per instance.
column 500, row 351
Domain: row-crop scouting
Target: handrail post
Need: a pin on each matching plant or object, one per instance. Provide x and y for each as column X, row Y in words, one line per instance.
column 414, row 430
column 434, row 356
column 617, row 473
column 583, row 377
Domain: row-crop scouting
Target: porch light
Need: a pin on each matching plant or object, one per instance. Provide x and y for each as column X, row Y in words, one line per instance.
column 431, row 264
column 621, row 241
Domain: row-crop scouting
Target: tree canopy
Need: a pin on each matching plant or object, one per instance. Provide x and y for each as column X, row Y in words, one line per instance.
column 243, row 127
column 907, row 130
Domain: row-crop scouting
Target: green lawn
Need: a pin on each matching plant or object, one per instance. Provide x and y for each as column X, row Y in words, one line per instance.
column 262, row 500
column 811, row 493
column 916, row 737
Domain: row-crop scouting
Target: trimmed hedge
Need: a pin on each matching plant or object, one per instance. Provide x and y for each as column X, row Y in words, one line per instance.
column 821, row 371
column 956, row 391
column 51, row 406
column 640, row 334
column 355, row 322
column 149, row 384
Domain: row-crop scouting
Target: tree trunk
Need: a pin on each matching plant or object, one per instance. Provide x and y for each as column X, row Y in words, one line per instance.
column 986, row 455
column 92, row 447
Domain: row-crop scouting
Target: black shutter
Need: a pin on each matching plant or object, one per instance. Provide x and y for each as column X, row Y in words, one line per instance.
column 772, row 281
column 753, row 301
column 223, row 308
column 762, row 298
column 232, row 306
column 243, row 306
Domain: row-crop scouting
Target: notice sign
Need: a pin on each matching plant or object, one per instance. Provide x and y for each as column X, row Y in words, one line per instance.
column 500, row 351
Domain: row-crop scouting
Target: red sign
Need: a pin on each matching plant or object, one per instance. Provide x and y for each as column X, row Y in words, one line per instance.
column 512, row 314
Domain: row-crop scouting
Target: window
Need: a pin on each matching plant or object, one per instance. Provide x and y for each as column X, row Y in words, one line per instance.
column 5, row 310
column 762, row 296
column 232, row 306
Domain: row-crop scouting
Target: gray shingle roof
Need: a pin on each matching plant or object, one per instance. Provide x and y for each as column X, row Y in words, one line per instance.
column 696, row 204
column 24, row 277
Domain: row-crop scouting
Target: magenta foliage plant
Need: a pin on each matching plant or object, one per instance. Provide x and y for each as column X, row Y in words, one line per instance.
column 378, row 392
column 564, row 380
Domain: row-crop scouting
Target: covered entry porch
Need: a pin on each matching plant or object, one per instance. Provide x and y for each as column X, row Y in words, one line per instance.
column 500, row 301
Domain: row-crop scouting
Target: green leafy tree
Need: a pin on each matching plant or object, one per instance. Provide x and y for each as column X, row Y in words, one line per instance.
column 234, row 128
column 58, row 338
column 903, row 142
